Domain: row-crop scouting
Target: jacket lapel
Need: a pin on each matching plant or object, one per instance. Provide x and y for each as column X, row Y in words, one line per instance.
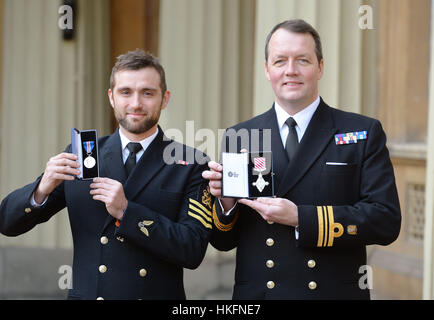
column 280, row 159
column 112, row 165
column 148, row 166
column 317, row 136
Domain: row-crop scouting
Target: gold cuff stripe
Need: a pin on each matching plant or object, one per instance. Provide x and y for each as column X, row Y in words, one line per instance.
column 333, row 226
column 201, row 207
column 320, row 226
column 200, row 212
column 221, row 226
column 327, row 227
column 207, row 225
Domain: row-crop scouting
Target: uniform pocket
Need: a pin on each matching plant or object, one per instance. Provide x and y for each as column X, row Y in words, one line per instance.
column 339, row 184
column 340, row 169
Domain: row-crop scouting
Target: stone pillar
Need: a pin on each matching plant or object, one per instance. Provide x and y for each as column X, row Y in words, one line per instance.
column 428, row 267
column 206, row 47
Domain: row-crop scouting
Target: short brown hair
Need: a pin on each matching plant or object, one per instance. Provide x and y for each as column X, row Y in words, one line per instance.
column 136, row 60
column 297, row 26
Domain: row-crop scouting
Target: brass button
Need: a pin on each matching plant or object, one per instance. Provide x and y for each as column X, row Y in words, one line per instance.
column 312, row 285
column 311, row 263
column 102, row 268
column 100, row 298
column 143, row 272
column 270, row 222
column 27, row 210
column 270, row 264
column 270, row 242
column 270, row 284
column 104, row 240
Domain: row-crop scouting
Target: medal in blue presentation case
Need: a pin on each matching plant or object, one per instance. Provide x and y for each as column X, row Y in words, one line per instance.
column 85, row 147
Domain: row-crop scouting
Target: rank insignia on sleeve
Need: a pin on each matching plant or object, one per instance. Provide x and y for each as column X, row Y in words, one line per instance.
column 328, row 229
column 197, row 211
column 206, row 198
column 350, row 137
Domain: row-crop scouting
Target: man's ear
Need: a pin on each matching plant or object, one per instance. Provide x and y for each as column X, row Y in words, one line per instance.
column 267, row 75
column 166, row 99
column 110, row 95
column 321, row 69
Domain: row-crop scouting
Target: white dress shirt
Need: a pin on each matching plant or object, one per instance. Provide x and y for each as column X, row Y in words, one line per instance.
column 302, row 118
column 145, row 144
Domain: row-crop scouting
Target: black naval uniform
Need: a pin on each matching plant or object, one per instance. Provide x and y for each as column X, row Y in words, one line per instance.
column 165, row 227
column 341, row 209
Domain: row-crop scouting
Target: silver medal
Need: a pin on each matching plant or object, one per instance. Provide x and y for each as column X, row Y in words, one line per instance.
column 89, row 162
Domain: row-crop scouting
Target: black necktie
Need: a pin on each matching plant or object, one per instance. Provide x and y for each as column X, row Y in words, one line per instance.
column 133, row 147
column 292, row 139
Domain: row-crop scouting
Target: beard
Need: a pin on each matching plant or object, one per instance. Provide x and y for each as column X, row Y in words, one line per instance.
column 137, row 126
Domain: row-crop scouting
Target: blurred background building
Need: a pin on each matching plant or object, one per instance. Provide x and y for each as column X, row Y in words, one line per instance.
column 377, row 56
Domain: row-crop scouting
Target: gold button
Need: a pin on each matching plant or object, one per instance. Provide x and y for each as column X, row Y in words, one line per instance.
column 102, row 268
column 312, row 285
column 270, row 264
column 100, row 298
column 270, row 242
column 311, row 263
column 270, row 284
column 27, row 210
column 104, row 240
column 270, row 222
column 143, row 272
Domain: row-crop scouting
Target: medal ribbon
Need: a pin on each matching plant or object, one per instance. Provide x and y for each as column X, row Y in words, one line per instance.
column 88, row 145
column 259, row 164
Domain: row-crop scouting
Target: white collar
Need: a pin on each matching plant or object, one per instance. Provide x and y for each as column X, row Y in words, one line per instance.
column 302, row 117
column 145, row 142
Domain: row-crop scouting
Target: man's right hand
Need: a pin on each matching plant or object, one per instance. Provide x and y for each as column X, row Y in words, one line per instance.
column 58, row 169
column 215, row 184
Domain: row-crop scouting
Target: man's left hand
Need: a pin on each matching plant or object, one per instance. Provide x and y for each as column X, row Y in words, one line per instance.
column 279, row 210
column 111, row 192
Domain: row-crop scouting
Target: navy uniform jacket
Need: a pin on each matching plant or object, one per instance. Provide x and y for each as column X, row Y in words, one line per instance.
column 341, row 209
column 164, row 228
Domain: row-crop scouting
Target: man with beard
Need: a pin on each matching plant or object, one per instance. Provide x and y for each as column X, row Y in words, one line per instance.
column 145, row 218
